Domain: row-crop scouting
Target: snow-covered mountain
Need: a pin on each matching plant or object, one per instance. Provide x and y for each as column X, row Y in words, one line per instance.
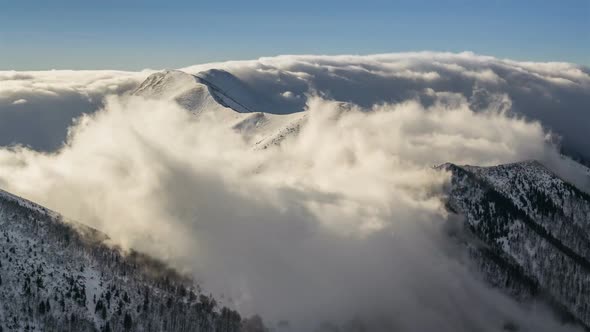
column 61, row 276
column 532, row 231
column 220, row 95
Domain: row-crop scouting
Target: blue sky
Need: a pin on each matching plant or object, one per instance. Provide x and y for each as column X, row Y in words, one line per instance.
column 157, row 34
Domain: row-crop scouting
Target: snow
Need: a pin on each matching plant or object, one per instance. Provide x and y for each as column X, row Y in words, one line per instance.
column 44, row 260
column 534, row 220
column 220, row 94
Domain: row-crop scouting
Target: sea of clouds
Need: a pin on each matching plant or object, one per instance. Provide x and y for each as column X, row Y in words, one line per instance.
column 344, row 221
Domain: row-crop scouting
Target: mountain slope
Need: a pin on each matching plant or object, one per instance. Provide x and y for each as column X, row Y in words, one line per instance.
column 58, row 276
column 219, row 95
column 231, row 92
column 533, row 230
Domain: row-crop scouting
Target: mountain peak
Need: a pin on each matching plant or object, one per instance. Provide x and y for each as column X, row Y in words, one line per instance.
column 165, row 84
column 215, row 87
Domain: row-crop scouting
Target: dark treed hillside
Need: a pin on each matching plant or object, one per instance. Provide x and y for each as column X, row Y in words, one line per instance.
column 532, row 230
column 57, row 276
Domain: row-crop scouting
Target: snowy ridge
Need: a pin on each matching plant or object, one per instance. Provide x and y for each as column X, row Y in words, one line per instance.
column 27, row 204
column 229, row 91
column 290, row 129
column 557, row 206
column 219, row 93
column 214, row 88
column 183, row 88
column 535, row 228
column 55, row 278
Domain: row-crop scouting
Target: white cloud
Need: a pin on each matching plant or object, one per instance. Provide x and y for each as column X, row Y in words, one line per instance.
column 53, row 99
column 19, row 102
column 289, row 95
column 343, row 219
column 57, row 81
column 557, row 94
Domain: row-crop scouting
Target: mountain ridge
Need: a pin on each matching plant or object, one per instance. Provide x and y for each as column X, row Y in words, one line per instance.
column 60, row 276
column 545, row 243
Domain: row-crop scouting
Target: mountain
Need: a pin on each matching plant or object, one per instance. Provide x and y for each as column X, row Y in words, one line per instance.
column 531, row 232
column 196, row 93
column 61, row 276
column 219, row 95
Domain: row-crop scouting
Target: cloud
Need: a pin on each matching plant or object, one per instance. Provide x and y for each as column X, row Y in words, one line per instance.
column 36, row 108
column 19, row 102
column 554, row 93
column 343, row 220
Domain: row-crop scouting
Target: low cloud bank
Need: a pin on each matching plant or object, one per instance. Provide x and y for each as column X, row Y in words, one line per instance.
column 342, row 222
column 554, row 93
column 37, row 107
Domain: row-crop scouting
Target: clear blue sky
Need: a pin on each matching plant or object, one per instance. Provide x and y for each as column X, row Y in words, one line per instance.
column 127, row 34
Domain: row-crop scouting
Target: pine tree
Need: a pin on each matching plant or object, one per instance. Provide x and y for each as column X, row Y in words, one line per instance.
column 126, row 298
column 42, row 308
column 127, row 322
column 146, row 300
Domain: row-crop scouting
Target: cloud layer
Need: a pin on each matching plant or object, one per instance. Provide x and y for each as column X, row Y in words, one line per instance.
column 556, row 94
column 36, row 108
column 345, row 219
